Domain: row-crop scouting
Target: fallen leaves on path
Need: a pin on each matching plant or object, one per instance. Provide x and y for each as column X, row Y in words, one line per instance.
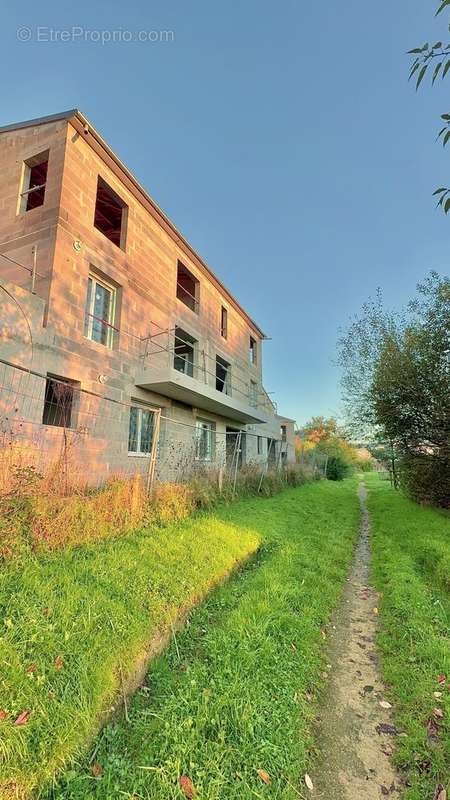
column 385, row 727
column 187, row 787
column 309, row 783
column 23, row 718
column 441, row 678
column 438, row 713
column 385, row 704
column 440, row 793
column 96, row 769
column 265, row 777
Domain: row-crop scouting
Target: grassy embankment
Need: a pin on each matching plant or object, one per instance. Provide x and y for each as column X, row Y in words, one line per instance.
column 411, row 567
column 75, row 621
column 228, row 707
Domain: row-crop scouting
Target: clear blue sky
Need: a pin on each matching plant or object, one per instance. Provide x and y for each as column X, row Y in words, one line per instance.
column 282, row 139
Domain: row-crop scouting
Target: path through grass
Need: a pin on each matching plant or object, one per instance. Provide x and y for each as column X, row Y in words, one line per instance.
column 411, row 567
column 233, row 695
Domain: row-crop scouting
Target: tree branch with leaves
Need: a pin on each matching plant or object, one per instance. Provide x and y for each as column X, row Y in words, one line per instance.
column 434, row 60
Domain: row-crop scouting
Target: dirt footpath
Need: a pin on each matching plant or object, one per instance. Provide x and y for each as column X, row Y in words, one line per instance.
column 356, row 733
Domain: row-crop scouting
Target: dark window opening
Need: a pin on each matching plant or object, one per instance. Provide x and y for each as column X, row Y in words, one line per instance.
column 59, row 402
column 109, row 213
column 283, row 433
column 271, row 453
column 183, row 359
column 252, row 350
column 223, row 376
column 35, row 179
column 224, row 322
column 188, row 288
column 260, row 445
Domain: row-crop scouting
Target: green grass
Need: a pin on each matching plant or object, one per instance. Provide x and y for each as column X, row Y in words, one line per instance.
column 232, row 695
column 411, row 567
column 73, row 622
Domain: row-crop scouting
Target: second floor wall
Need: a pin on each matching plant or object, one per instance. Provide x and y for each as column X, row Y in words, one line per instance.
column 112, row 276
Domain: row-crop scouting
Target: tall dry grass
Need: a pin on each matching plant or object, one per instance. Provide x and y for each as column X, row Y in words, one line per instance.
column 42, row 511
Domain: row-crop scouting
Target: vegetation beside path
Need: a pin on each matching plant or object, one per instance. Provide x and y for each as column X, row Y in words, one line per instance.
column 411, row 568
column 227, row 710
column 75, row 621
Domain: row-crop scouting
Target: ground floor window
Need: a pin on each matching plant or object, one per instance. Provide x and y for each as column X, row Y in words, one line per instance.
column 59, row 402
column 204, row 440
column 140, row 434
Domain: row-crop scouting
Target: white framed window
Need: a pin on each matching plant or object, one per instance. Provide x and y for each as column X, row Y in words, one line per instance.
column 100, row 311
column 204, row 440
column 184, row 352
column 140, row 431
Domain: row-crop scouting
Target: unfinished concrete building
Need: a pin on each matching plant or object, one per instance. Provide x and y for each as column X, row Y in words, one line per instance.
column 109, row 317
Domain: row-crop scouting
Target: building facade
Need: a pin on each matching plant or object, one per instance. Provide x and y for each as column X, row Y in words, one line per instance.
column 110, row 318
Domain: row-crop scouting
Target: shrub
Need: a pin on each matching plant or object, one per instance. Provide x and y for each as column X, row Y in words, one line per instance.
column 426, row 478
column 338, row 468
column 340, row 458
column 364, row 464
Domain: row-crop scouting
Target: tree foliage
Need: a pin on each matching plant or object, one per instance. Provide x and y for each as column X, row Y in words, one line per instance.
column 396, row 381
column 434, row 60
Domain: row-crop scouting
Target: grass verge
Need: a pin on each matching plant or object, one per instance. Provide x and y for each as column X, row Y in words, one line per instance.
column 227, row 708
column 74, row 622
column 411, row 567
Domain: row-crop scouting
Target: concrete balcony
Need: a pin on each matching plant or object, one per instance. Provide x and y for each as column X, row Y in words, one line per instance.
column 169, row 382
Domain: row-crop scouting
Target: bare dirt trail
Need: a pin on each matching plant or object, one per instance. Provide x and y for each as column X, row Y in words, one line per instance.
column 356, row 733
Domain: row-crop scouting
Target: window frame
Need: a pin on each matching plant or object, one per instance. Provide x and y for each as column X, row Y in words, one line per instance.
column 102, row 183
column 75, row 388
column 90, row 319
column 141, row 408
column 193, row 343
column 210, row 426
column 194, row 305
column 227, row 385
column 27, row 166
column 259, row 445
column 224, row 322
column 253, row 351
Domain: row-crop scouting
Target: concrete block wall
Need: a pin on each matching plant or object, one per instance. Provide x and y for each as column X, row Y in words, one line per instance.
column 70, row 247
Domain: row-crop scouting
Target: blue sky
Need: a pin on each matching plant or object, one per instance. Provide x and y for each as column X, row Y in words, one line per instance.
column 282, row 139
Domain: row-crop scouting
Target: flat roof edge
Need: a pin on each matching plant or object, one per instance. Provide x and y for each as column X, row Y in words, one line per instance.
column 30, row 123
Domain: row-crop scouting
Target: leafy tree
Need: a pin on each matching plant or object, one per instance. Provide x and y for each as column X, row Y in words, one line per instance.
column 396, row 384
column 317, row 429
